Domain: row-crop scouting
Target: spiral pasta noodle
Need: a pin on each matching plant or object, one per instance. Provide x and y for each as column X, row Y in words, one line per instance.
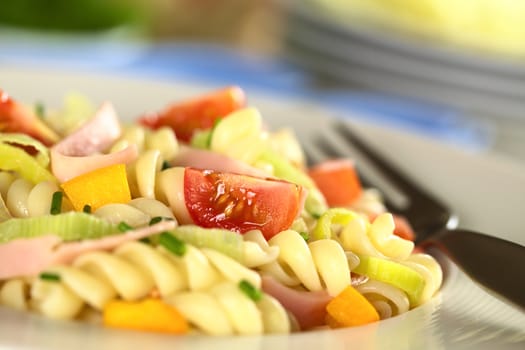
column 316, row 266
column 131, row 272
column 25, row 199
column 155, row 148
column 138, row 212
column 224, row 310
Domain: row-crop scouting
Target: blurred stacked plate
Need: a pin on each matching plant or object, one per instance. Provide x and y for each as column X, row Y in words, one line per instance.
column 361, row 56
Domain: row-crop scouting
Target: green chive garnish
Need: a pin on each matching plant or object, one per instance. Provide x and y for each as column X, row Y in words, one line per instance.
column 172, row 243
column 155, row 220
column 40, row 110
column 250, row 290
column 49, row 276
column 165, row 165
column 87, row 209
column 56, row 203
column 145, row 240
column 123, row 227
column 305, row 235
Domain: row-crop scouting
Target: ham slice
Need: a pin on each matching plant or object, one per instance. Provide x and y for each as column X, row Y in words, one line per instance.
column 30, row 256
column 79, row 152
column 204, row 159
column 309, row 308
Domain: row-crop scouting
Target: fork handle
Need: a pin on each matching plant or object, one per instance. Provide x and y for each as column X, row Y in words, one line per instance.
column 494, row 263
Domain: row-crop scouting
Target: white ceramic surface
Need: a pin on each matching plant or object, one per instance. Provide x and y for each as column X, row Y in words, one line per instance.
column 485, row 190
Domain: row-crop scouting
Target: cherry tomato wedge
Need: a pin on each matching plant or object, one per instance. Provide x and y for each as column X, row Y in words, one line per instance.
column 14, row 117
column 241, row 203
column 337, row 180
column 201, row 113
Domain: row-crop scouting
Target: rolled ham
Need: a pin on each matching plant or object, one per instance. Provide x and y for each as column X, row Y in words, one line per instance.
column 80, row 152
column 204, row 159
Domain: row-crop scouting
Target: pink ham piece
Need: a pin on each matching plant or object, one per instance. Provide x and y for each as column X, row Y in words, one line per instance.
column 309, row 308
column 203, row 159
column 30, row 256
column 79, row 152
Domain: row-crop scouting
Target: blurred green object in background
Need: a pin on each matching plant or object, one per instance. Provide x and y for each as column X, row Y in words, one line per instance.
column 72, row 15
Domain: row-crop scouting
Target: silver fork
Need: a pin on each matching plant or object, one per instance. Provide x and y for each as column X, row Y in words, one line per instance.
column 494, row 263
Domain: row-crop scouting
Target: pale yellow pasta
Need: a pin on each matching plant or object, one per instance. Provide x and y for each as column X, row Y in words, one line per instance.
column 242, row 312
column 332, row 265
column 170, row 190
column 225, row 310
column 386, row 299
column 54, row 300
column 240, row 136
column 25, row 199
column 162, row 139
column 274, row 317
column 431, row 271
column 6, row 178
column 138, row 212
column 12, row 294
column 295, row 260
column 375, row 239
column 143, row 172
column 256, row 250
column 319, row 265
column 131, row 272
column 203, row 311
column 381, row 233
column 155, row 147
column 231, row 269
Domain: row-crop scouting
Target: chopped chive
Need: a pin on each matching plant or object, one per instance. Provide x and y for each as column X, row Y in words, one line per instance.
column 155, row 220
column 305, row 235
column 49, row 276
column 145, row 240
column 172, row 243
column 40, row 110
column 124, row 226
column 165, row 165
column 87, row 209
column 316, row 216
column 250, row 290
column 56, row 203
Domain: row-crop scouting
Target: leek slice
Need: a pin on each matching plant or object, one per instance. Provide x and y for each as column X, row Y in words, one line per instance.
column 400, row 276
column 315, row 203
column 16, row 159
column 42, row 156
column 339, row 216
column 68, row 226
column 224, row 241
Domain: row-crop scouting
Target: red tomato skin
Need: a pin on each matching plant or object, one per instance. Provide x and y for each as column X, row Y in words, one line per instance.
column 201, row 113
column 15, row 118
column 241, row 203
column 338, row 181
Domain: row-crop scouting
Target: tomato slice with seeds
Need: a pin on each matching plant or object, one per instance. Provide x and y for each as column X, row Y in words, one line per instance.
column 14, row 117
column 197, row 114
column 240, row 202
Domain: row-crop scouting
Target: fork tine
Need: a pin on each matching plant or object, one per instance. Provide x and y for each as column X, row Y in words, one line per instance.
column 419, row 203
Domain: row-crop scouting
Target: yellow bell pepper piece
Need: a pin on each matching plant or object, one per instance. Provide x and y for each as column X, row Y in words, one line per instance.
column 350, row 308
column 151, row 315
column 98, row 187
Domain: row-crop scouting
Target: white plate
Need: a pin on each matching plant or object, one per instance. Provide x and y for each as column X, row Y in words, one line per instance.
column 486, row 191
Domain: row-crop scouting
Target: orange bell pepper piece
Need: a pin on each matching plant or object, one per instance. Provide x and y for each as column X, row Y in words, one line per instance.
column 99, row 187
column 350, row 308
column 152, row 315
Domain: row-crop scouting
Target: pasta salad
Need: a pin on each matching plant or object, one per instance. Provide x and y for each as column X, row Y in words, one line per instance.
column 195, row 219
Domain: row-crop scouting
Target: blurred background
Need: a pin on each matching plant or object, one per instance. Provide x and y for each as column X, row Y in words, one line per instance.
column 452, row 70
